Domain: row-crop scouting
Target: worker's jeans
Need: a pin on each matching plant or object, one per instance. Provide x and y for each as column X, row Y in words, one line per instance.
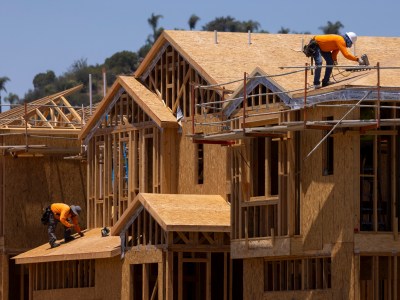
column 51, row 230
column 318, row 63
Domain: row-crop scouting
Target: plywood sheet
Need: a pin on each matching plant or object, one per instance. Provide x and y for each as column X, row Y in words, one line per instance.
column 178, row 212
column 91, row 246
column 232, row 55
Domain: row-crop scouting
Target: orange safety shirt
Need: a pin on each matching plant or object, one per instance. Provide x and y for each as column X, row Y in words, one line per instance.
column 62, row 212
column 334, row 43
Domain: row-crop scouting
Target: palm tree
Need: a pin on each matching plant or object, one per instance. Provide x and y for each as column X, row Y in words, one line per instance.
column 13, row 99
column 193, row 21
column 153, row 22
column 251, row 25
column 331, row 28
column 3, row 81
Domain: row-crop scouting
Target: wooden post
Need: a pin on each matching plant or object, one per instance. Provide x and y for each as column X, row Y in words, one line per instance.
column 208, row 277
column 244, row 101
column 305, row 95
column 375, row 198
column 31, row 273
column 395, row 285
column 180, row 276
column 375, row 267
column 169, row 269
column 145, row 281
column 226, row 276
column 357, row 275
column 4, row 279
column 160, row 279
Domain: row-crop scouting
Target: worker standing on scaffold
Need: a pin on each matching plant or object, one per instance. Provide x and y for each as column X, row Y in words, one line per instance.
column 328, row 47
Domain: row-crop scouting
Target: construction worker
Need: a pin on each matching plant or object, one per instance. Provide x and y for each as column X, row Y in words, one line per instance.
column 62, row 213
column 329, row 46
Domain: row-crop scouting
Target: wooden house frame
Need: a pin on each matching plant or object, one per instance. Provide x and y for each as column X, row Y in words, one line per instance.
column 310, row 175
column 35, row 140
column 176, row 246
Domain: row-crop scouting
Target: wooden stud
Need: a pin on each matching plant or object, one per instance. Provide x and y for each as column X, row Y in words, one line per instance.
column 180, row 275
column 208, row 277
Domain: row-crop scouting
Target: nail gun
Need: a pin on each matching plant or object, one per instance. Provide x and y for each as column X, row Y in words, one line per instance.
column 365, row 60
column 363, row 65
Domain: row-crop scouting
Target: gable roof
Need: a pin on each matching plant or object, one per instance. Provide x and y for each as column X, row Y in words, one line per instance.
column 146, row 99
column 91, row 246
column 180, row 212
column 226, row 61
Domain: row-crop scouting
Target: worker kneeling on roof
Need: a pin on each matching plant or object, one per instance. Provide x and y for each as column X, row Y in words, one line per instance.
column 328, row 47
column 61, row 212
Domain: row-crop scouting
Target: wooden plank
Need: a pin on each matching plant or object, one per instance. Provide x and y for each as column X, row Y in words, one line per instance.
column 169, row 276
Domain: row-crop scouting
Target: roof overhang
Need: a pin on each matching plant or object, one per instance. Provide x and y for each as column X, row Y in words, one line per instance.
column 180, row 212
column 91, row 246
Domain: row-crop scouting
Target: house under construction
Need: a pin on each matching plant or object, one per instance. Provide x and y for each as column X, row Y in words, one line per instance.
column 222, row 175
column 36, row 141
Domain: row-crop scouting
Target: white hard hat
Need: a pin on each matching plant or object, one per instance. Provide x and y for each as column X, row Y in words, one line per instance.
column 352, row 36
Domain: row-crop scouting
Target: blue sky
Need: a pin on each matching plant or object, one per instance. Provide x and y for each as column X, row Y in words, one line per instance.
column 43, row 35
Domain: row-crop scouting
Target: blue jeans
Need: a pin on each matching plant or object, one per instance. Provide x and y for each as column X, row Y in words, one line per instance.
column 51, row 230
column 318, row 63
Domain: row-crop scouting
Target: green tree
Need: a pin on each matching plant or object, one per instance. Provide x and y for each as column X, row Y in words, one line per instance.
column 223, row 24
column 153, row 22
column 193, row 21
column 332, row 28
column 231, row 25
column 13, row 99
column 284, row 30
column 124, row 62
column 251, row 25
column 3, row 81
column 42, row 79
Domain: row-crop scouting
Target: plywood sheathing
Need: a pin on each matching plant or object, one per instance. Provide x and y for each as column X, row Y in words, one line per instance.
column 32, row 184
column 91, row 246
column 227, row 60
column 147, row 100
column 177, row 212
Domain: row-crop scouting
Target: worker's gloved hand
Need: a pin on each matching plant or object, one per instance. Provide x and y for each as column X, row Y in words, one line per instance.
column 361, row 62
column 81, row 234
column 335, row 63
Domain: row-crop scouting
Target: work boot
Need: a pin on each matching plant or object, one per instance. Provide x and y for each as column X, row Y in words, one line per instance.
column 68, row 239
column 55, row 245
column 316, row 86
column 327, row 83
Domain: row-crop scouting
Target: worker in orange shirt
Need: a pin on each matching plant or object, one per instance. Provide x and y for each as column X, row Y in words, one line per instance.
column 63, row 213
column 329, row 46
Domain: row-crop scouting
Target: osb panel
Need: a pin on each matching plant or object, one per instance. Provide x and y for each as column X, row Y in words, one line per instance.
column 91, row 246
column 232, row 55
column 32, row 184
column 313, row 192
column 328, row 203
column 215, row 168
column 343, row 271
column 374, row 243
column 169, row 160
column 253, row 278
column 142, row 255
column 108, row 278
